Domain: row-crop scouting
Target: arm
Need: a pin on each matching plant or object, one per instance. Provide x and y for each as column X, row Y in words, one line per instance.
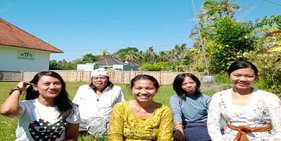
column 207, row 101
column 274, row 108
column 72, row 132
column 120, row 95
column 11, row 106
column 116, row 123
column 166, row 126
column 176, row 109
column 76, row 98
column 214, row 118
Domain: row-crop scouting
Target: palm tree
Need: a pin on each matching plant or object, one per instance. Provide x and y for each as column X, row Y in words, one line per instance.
column 150, row 55
column 214, row 8
column 131, row 55
column 180, row 51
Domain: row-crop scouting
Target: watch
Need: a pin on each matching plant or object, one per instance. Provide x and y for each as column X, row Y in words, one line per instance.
column 12, row 90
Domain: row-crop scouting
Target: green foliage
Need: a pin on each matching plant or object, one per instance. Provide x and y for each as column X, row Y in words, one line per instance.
column 218, row 8
column 61, row 65
column 194, row 59
column 129, row 52
column 159, row 66
column 229, row 40
column 274, row 20
column 89, row 58
column 269, row 65
column 222, row 79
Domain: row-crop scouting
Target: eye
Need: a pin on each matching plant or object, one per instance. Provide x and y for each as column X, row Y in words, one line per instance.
column 250, row 76
column 57, row 83
column 47, row 84
column 237, row 75
column 183, row 84
column 137, row 88
column 150, row 88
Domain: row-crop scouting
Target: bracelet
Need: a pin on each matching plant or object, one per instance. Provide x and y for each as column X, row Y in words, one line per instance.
column 12, row 90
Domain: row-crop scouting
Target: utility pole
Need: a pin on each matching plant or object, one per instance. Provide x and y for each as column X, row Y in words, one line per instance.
column 200, row 38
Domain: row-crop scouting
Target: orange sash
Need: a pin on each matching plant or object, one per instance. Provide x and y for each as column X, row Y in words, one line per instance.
column 243, row 130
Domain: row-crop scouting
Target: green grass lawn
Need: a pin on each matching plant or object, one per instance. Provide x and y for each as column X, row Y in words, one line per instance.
column 8, row 125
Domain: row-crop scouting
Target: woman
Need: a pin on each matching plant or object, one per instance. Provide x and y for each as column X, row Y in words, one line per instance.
column 141, row 118
column 95, row 102
column 189, row 106
column 47, row 113
column 250, row 114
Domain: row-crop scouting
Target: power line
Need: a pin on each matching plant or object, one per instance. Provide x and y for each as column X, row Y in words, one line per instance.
column 138, row 47
column 272, row 2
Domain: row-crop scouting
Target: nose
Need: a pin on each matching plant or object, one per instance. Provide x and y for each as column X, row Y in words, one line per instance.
column 242, row 78
column 143, row 91
column 53, row 85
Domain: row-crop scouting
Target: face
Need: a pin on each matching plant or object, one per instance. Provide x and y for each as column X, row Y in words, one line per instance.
column 189, row 85
column 144, row 90
column 100, row 82
column 243, row 78
column 48, row 87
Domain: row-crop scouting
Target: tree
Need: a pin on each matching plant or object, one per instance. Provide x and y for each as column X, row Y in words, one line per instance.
column 218, row 34
column 150, row 55
column 228, row 41
column 127, row 54
column 131, row 56
column 61, row 65
column 89, row 58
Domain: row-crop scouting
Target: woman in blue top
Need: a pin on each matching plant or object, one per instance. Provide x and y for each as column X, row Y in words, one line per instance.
column 189, row 106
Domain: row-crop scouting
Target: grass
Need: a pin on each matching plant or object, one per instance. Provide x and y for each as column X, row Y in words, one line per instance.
column 8, row 125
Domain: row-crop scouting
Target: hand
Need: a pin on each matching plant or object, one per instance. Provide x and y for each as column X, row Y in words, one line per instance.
column 179, row 135
column 22, row 86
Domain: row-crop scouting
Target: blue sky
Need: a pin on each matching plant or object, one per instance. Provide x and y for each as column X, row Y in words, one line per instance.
column 79, row 27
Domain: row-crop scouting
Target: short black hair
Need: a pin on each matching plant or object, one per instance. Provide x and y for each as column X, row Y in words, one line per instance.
column 179, row 79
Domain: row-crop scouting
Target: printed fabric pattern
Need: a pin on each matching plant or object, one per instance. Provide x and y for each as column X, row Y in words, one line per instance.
column 124, row 125
column 263, row 109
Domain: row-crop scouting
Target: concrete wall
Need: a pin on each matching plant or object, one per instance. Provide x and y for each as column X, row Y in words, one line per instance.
column 20, row 59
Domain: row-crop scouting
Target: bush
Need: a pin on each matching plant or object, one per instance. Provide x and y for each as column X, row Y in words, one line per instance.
column 269, row 65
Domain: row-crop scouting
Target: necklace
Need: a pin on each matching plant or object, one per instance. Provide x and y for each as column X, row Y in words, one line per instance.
column 98, row 97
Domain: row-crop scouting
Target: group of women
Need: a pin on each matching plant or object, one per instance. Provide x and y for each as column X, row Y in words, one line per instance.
column 247, row 113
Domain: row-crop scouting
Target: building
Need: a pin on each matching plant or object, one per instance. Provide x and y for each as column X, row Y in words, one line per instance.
column 109, row 63
column 21, row 51
column 86, row 67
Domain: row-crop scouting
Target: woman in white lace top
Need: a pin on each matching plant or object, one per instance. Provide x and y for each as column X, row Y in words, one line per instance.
column 250, row 114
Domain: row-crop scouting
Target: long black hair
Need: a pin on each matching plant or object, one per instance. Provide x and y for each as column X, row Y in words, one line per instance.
column 179, row 79
column 62, row 101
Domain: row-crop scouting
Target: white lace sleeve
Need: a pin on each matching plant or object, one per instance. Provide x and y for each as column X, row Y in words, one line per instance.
column 214, row 118
column 274, row 108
